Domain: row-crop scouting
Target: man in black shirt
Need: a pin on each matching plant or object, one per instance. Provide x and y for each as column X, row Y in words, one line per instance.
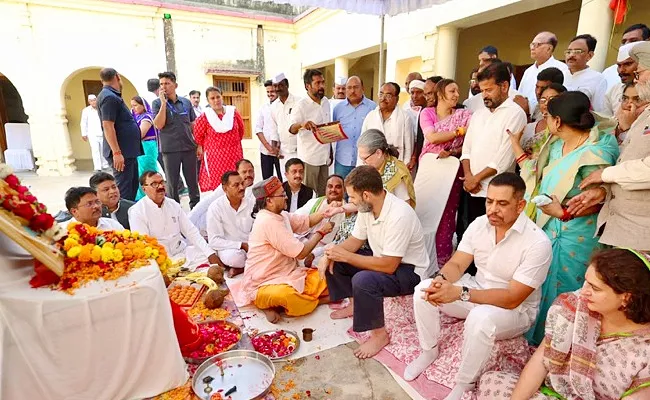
column 122, row 143
column 174, row 116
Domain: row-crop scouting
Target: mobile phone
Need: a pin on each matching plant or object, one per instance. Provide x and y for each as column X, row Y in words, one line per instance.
column 544, row 194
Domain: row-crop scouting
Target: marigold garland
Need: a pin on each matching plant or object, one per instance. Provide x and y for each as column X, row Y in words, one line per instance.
column 92, row 254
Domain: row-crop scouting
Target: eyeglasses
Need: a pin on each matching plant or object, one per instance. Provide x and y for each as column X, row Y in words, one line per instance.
column 638, row 73
column 91, row 204
column 535, row 45
column 544, row 100
column 386, row 96
column 368, row 156
column 156, row 185
column 279, row 195
column 577, row 52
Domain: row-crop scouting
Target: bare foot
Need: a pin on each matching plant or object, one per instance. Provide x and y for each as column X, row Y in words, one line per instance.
column 378, row 340
column 233, row 272
column 346, row 312
column 272, row 315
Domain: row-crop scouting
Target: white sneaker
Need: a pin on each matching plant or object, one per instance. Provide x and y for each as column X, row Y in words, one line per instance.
column 417, row 366
column 459, row 390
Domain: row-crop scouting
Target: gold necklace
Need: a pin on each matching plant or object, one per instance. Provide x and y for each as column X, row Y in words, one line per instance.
column 583, row 139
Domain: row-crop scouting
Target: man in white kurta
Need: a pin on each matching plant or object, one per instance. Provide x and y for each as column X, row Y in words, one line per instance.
column 582, row 77
column 625, row 66
column 268, row 136
column 333, row 192
column 487, row 150
column 512, row 257
column 230, row 222
column 164, row 219
column 392, row 121
column 91, row 132
column 281, row 110
column 632, row 34
column 198, row 215
column 541, row 50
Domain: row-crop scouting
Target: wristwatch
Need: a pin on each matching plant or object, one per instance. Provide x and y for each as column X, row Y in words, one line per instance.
column 438, row 274
column 464, row 294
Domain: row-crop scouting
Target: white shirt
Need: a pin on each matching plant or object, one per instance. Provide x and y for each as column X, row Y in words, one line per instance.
column 309, row 149
column 611, row 76
column 169, row 224
column 264, row 125
column 398, row 130
column 90, row 123
column 475, row 103
column 613, row 99
column 529, row 79
column 333, row 103
column 198, row 110
column 198, row 215
column 149, row 97
column 524, row 255
column 487, row 143
column 592, row 84
column 280, row 116
column 229, row 228
column 396, row 233
column 105, row 224
column 293, row 206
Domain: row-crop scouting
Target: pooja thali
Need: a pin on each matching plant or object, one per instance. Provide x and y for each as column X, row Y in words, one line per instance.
column 242, row 374
column 276, row 344
column 217, row 337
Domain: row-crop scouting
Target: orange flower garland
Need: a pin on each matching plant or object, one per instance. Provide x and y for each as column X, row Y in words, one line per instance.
column 92, row 254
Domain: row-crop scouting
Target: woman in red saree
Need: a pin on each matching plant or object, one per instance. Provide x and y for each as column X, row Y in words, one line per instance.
column 597, row 344
column 218, row 133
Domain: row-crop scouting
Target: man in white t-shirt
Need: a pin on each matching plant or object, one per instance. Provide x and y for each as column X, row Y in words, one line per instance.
column 582, row 78
column 308, row 113
column 394, row 233
column 281, row 109
column 541, row 50
column 487, row 150
column 512, row 256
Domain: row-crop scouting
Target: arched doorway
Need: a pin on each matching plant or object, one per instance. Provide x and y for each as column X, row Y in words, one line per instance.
column 76, row 89
column 11, row 109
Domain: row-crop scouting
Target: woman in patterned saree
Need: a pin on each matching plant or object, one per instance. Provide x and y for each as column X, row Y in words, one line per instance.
column 597, row 343
column 574, row 150
column 374, row 150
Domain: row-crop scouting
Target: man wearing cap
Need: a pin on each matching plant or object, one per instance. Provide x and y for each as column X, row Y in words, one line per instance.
column 350, row 113
column 625, row 66
column 632, row 34
column 308, row 114
column 272, row 280
column 418, row 102
column 338, row 92
column 164, row 219
column 625, row 187
column 281, row 110
column 91, row 131
column 407, row 85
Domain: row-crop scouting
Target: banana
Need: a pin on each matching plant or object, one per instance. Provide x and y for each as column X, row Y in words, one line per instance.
column 202, row 279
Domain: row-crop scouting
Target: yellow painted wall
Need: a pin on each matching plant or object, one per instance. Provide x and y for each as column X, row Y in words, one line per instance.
column 75, row 101
column 639, row 14
column 513, row 35
column 402, row 69
column 367, row 68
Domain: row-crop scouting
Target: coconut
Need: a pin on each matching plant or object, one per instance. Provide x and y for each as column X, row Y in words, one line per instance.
column 216, row 274
column 214, row 299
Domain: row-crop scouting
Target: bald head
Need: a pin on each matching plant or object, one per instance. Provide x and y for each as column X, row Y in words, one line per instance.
column 411, row 77
column 354, row 90
column 542, row 47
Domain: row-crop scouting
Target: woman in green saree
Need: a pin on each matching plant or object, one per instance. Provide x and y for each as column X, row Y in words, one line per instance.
column 574, row 150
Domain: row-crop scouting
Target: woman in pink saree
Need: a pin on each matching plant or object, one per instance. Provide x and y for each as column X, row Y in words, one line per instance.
column 444, row 126
column 597, row 343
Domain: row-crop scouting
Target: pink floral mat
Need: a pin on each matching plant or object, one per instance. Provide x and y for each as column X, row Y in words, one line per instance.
column 435, row 383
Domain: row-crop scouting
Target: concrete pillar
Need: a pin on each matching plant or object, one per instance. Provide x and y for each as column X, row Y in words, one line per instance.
column 446, row 50
column 597, row 20
column 341, row 67
column 51, row 142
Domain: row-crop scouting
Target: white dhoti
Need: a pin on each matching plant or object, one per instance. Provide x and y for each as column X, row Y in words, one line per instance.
column 234, row 258
column 193, row 257
column 97, row 150
column 484, row 324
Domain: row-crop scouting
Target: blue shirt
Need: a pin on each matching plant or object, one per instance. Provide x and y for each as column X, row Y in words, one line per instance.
column 351, row 121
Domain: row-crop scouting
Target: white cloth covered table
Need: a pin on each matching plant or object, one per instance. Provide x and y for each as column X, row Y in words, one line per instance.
column 19, row 147
column 110, row 340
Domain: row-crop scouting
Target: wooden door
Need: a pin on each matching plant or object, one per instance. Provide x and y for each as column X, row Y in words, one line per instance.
column 91, row 87
column 236, row 92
